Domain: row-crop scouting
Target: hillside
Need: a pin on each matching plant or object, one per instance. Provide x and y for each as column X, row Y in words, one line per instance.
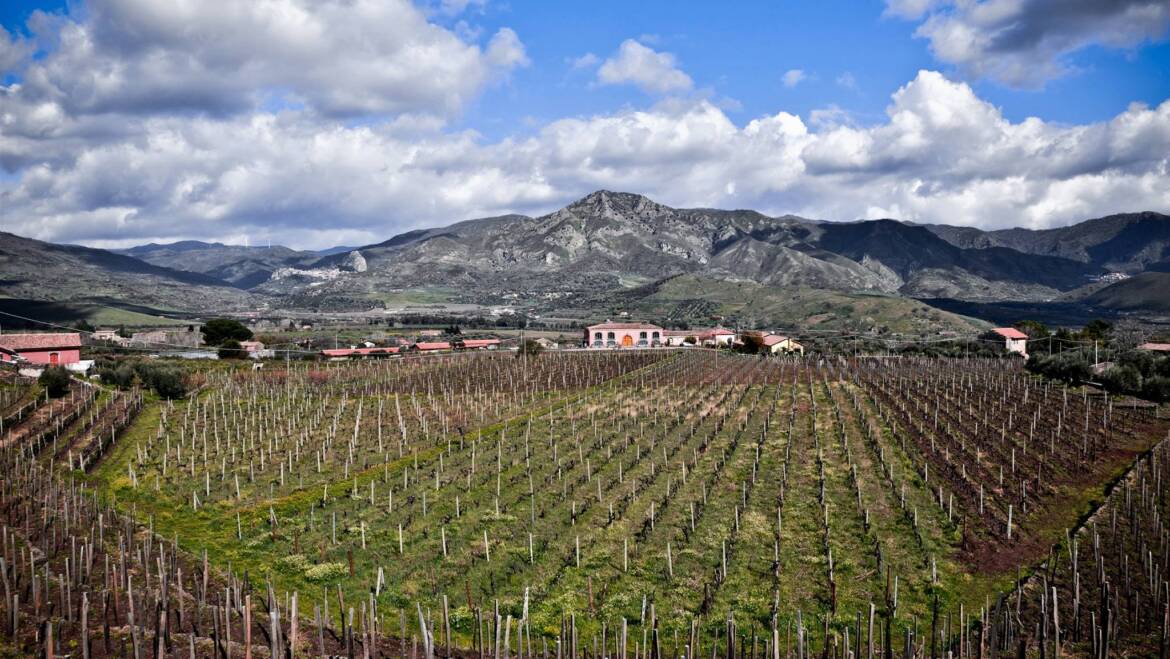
column 1149, row 291
column 1128, row 242
column 67, row 273
column 610, row 240
column 243, row 267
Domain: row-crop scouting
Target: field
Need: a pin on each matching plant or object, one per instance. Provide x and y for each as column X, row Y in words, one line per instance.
column 663, row 502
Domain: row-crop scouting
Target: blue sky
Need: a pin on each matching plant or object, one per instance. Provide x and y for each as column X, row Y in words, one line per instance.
column 356, row 121
column 743, row 54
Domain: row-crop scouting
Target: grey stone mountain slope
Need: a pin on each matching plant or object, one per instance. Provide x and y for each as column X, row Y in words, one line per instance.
column 608, row 242
column 33, row 269
column 243, row 267
column 614, row 239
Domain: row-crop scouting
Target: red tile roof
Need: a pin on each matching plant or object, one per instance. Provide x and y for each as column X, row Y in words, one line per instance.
column 40, row 341
column 623, row 326
column 357, row 352
column 1155, row 347
column 1010, row 333
column 435, row 345
column 479, row 343
column 773, row 339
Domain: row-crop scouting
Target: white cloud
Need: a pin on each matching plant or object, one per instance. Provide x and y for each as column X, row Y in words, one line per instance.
column 847, row 81
column 1023, row 43
column 342, row 58
column 652, row 71
column 313, row 124
column 941, row 155
column 586, row 61
column 793, row 77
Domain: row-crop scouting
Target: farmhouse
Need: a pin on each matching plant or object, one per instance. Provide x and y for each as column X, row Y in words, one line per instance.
column 715, row 337
column 256, row 350
column 623, row 335
column 433, row 346
column 547, row 344
column 188, row 337
column 1013, row 339
column 41, row 348
column 478, row 344
column 775, row 343
column 339, row 354
column 677, row 337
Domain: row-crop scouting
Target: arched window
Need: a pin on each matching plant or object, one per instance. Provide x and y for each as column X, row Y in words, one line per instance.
column 611, row 336
column 642, row 335
column 597, row 336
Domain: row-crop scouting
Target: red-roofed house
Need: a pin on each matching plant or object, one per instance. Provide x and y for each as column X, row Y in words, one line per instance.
column 433, row 346
column 478, row 344
column 775, row 343
column 41, row 348
column 1014, row 340
column 353, row 353
column 623, row 335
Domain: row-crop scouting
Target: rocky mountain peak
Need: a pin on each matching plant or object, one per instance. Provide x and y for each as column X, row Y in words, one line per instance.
column 618, row 206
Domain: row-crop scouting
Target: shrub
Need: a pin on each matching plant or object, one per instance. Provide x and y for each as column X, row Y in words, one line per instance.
column 167, row 382
column 1123, row 379
column 325, row 572
column 1157, row 389
column 231, row 350
column 118, row 375
column 55, row 380
column 1069, row 366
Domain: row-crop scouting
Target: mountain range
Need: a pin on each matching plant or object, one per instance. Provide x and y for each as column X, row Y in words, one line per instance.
column 612, row 242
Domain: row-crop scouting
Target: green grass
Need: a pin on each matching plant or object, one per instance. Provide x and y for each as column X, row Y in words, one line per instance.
column 622, row 445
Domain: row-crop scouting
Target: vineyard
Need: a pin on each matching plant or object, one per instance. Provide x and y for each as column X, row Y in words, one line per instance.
column 589, row 504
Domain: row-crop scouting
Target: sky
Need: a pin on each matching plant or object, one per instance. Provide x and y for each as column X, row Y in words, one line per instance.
column 313, row 123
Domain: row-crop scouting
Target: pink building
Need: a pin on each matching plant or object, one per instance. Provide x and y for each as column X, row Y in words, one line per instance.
column 41, row 348
column 623, row 335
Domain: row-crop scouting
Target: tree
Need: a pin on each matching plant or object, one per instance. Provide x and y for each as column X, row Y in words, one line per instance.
column 1096, row 330
column 55, row 380
column 1122, row 379
column 231, row 349
column 752, row 343
column 530, row 347
column 218, row 330
column 1034, row 329
column 84, row 326
column 1156, row 389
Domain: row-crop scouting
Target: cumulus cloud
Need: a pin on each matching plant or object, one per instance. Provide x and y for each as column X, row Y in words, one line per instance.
column 942, row 154
column 313, row 127
column 338, row 58
column 793, row 77
column 652, row 71
column 1024, row 43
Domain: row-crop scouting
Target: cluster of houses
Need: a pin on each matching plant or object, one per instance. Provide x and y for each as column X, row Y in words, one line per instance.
column 618, row 335
column 370, row 350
